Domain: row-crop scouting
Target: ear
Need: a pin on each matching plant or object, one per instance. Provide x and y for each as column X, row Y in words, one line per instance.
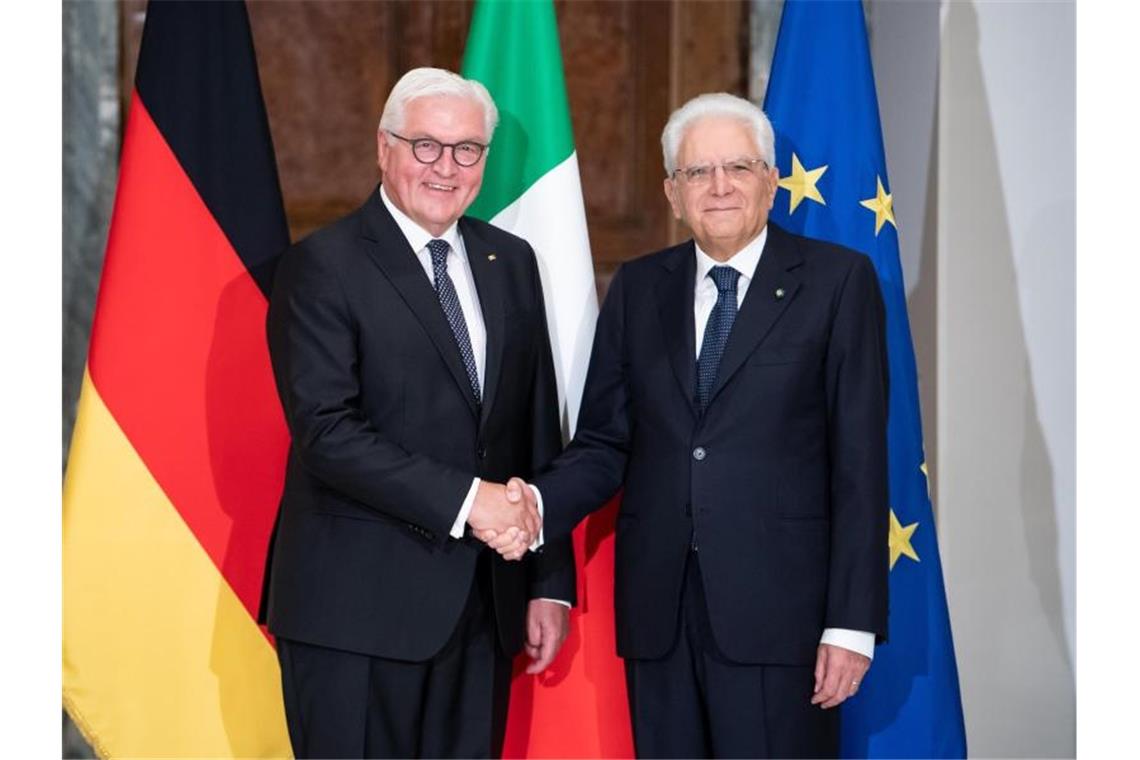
column 672, row 194
column 771, row 181
column 383, row 149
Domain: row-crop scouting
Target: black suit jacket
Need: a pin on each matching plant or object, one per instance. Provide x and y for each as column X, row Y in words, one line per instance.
column 783, row 479
column 386, row 438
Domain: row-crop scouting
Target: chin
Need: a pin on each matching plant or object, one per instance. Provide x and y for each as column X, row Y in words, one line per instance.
column 725, row 233
column 444, row 216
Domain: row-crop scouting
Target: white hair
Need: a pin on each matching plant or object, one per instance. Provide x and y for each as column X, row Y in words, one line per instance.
column 427, row 82
column 717, row 105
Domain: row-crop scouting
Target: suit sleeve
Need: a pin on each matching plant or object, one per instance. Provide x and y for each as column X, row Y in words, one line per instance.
column 552, row 571
column 313, row 348
column 592, row 468
column 857, row 396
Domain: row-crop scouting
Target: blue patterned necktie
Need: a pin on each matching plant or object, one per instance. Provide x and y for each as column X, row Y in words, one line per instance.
column 449, row 300
column 716, row 331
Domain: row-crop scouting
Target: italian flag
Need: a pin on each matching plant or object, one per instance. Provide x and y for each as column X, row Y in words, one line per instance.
column 578, row 707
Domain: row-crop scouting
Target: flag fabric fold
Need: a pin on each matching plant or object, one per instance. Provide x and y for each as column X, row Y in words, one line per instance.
column 833, row 185
column 177, row 457
column 532, row 188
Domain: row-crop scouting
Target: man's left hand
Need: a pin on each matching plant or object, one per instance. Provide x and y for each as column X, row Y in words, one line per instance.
column 838, row 673
column 547, row 624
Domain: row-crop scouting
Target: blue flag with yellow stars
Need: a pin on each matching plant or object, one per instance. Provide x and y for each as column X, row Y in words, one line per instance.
column 833, row 185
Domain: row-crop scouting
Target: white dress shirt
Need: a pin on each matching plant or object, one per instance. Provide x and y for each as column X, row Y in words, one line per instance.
column 704, row 298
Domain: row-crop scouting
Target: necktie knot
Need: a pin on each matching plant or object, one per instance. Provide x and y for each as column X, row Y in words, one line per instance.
column 438, row 250
column 724, row 277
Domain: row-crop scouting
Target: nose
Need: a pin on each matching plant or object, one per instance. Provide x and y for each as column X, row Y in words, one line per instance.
column 720, row 182
column 445, row 165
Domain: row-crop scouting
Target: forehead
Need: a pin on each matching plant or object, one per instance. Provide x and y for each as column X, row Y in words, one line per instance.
column 716, row 138
column 445, row 117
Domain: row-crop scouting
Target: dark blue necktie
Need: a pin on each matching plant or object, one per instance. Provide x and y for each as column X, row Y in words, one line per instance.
column 449, row 300
column 716, row 331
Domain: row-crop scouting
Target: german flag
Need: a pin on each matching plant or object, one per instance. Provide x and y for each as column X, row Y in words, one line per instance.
column 177, row 458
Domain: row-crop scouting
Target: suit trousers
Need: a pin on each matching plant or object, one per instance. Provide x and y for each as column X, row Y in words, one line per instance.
column 695, row 702
column 346, row 704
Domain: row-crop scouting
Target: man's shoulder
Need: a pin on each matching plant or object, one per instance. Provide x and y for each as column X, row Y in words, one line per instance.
column 321, row 254
column 654, row 264
column 815, row 251
column 336, row 238
column 493, row 234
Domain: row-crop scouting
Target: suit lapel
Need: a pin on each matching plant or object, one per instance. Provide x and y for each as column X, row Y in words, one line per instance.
column 772, row 289
column 490, row 284
column 675, row 310
column 389, row 250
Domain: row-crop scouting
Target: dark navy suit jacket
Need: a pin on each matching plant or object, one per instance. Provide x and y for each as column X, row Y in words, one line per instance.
column 782, row 480
column 386, row 438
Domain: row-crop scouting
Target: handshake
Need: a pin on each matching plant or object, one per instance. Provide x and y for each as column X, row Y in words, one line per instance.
column 505, row 517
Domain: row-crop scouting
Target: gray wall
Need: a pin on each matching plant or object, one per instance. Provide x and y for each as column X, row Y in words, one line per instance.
column 90, row 166
column 1005, row 367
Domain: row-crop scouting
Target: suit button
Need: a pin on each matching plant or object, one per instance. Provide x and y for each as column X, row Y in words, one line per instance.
column 481, row 452
column 699, row 453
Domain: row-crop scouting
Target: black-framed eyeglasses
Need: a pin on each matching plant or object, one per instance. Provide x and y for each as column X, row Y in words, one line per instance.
column 738, row 170
column 428, row 150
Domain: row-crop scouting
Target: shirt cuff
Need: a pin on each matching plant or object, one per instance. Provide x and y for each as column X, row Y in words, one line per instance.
column 861, row 642
column 465, row 510
column 540, row 540
column 556, row 601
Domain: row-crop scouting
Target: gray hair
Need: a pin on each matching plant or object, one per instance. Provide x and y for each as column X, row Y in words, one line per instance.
column 717, row 104
column 427, row 82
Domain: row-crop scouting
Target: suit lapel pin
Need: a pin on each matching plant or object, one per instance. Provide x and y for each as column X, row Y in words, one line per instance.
column 779, row 293
column 491, row 257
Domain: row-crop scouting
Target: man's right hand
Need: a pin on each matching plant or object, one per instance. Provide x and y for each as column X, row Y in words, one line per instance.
column 511, row 522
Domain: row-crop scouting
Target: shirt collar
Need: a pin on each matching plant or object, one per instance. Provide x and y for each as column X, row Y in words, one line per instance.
column 743, row 261
column 416, row 235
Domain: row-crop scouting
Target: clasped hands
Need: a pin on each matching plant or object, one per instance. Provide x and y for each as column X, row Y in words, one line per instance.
column 505, row 517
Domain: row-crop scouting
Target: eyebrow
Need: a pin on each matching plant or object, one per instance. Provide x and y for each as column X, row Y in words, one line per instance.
column 478, row 140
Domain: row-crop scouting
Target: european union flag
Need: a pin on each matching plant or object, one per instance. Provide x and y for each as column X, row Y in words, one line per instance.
column 833, row 174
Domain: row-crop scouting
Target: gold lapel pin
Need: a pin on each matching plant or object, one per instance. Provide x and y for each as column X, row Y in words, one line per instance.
column 779, row 293
column 491, row 257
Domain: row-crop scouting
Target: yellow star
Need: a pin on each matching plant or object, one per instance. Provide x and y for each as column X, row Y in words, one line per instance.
column 801, row 184
column 882, row 205
column 899, row 540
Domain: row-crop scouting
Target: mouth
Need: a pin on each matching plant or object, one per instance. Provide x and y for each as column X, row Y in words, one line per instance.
column 440, row 188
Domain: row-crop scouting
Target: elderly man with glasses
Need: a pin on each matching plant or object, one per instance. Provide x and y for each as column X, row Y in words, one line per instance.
column 737, row 390
column 410, row 350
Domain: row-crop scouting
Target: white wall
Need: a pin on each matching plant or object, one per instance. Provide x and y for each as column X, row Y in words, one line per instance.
column 1005, row 367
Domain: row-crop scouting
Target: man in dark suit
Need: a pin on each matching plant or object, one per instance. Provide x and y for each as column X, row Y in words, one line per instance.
column 738, row 389
column 410, row 350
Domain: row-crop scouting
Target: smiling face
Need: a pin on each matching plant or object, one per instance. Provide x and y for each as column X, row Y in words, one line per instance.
column 433, row 195
column 724, row 214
